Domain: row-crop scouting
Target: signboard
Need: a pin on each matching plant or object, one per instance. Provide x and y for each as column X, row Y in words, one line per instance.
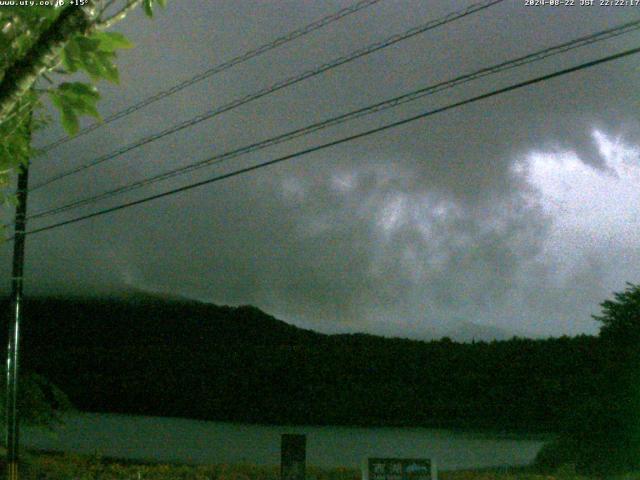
column 400, row 469
column 293, row 452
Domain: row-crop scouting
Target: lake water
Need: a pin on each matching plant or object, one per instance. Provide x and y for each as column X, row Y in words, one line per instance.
column 192, row 441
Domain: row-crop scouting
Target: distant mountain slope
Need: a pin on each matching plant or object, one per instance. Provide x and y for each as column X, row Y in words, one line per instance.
column 153, row 355
column 144, row 319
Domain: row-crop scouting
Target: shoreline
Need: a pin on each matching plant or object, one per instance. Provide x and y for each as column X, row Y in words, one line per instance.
column 492, row 432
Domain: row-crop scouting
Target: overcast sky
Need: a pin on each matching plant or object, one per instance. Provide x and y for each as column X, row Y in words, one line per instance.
column 520, row 211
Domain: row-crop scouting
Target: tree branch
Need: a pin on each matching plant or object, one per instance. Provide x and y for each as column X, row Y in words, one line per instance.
column 106, row 7
column 19, row 78
column 119, row 16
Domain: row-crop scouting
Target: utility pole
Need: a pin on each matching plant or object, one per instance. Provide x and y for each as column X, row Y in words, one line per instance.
column 14, row 318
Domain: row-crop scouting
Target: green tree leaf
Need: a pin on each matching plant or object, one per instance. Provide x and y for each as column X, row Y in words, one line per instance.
column 111, row 41
column 75, row 99
column 79, row 89
column 147, row 6
column 95, row 55
column 107, row 67
column 70, row 120
column 71, row 56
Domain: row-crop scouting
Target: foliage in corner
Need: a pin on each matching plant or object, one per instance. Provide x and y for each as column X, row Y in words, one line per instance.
column 601, row 433
column 620, row 318
column 41, row 47
column 40, row 402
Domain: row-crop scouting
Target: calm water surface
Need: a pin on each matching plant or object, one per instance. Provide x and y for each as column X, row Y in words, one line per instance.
column 175, row 439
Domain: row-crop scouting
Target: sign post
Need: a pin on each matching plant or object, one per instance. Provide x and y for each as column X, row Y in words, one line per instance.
column 400, row 469
column 293, row 455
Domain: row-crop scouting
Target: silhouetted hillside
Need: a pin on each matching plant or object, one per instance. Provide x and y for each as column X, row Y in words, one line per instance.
column 143, row 354
column 144, row 319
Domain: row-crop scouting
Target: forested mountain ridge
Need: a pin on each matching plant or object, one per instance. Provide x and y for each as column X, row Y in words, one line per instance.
column 175, row 357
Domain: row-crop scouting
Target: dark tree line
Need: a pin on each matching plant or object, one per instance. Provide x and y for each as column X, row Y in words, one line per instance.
column 145, row 356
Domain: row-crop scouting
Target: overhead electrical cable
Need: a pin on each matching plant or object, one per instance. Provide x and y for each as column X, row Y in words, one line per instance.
column 278, row 42
column 276, row 87
column 378, row 107
column 340, row 141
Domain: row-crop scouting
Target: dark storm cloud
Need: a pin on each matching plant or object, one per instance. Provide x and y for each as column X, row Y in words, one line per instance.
column 406, row 232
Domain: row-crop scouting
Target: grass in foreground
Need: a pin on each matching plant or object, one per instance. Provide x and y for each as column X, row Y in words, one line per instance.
column 45, row 466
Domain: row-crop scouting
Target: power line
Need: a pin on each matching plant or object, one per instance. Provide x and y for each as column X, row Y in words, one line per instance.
column 340, row 141
column 278, row 42
column 276, row 87
column 378, row 107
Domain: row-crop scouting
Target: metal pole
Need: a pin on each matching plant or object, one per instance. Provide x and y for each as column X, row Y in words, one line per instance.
column 12, row 421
